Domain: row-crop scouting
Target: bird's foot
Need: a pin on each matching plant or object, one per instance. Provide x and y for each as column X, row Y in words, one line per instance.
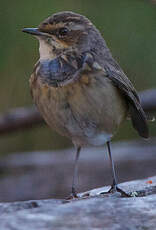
column 73, row 195
column 115, row 189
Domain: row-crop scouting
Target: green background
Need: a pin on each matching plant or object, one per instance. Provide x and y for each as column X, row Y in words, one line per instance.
column 129, row 28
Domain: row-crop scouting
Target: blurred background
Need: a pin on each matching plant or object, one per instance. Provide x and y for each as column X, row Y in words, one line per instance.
column 129, row 30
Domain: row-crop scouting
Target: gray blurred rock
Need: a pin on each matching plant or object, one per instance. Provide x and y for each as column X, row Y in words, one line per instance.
column 97, row 212
column 42, row 175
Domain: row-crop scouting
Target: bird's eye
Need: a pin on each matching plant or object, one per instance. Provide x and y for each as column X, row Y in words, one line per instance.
column 63, row 31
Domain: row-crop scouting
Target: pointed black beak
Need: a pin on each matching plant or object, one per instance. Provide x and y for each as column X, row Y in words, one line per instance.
column 34, row 31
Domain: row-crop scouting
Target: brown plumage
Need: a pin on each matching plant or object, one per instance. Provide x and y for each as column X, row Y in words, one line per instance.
column 77, row 85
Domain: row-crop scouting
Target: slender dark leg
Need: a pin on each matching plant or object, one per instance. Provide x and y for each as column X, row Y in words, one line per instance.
column 114, row 186
column 112, row 167
column 74, row 194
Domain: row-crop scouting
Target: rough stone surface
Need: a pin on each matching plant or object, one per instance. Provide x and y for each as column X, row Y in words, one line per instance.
column 110, row 212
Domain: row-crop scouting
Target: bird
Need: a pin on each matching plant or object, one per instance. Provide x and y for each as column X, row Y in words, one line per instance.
column 79, row 88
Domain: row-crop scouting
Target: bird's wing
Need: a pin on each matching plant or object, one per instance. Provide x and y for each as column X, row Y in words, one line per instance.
column 137, row 114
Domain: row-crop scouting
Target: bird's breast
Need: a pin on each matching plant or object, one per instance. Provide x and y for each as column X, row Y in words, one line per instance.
column 88, row 111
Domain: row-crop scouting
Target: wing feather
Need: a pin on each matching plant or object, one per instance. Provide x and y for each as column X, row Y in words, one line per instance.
column 137, row 114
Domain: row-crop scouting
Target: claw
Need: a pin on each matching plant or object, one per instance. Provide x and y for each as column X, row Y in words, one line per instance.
column 114, row 189
column 73, row 195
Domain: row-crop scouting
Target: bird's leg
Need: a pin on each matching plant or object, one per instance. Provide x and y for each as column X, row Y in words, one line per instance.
column 114, row 184
column 114, row 187
column 74, row 194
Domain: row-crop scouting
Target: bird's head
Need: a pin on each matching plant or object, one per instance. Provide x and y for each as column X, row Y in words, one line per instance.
column 62, row 32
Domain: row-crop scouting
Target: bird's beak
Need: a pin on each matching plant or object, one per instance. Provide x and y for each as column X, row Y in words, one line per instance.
column 34, row 31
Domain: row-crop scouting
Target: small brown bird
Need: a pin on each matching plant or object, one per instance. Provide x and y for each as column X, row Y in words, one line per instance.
column 79, row 88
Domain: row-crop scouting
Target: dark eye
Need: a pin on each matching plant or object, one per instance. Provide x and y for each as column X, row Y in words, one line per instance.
column 63, row 31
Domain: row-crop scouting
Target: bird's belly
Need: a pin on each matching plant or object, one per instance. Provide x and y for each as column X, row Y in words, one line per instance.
column 89, row 114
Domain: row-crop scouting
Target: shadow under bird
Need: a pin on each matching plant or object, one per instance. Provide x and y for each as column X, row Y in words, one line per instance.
column 79, row 88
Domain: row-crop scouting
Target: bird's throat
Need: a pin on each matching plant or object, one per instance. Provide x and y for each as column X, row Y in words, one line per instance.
column 46, row 51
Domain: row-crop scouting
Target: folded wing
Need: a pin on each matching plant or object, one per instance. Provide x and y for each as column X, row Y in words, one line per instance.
column 137, row 114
